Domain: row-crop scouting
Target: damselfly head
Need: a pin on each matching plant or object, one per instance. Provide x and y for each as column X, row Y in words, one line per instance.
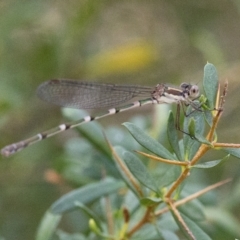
column 192, row 91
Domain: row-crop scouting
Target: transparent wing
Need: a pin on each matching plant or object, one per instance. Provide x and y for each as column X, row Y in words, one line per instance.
column 86, row 95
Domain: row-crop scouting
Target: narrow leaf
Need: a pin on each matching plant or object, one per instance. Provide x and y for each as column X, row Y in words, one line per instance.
column 233, row 151
column 149, row 143
column 210, row 84
column 167, row 235
column 173, row 136
column 69, row 236
column 195, row 229
column 199, row 119
column 166, row 174
column 150, row 201
column 191, row 127
column 226, row 220
column 139, row 170
column 48, row 226
column 147, row 232
column 85, row 195
column 211, row 164
column 209, row 117
column 90, row 213
column 192, row 145
column 191, row 148
column 125, row 173
column 202, row 139
column 207, row 164
column 193, row 209
column 197, row 232
column 208, row 113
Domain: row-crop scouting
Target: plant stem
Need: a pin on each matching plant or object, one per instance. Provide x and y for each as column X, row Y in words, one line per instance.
column 144, row 220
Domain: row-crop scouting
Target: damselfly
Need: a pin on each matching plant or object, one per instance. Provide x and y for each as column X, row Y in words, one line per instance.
column 89, row 95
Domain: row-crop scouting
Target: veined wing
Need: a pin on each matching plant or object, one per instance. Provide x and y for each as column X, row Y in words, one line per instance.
column 87, row 95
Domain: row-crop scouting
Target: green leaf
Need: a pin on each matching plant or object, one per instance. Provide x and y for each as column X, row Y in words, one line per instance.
column 139, row 171
column 197, row 232
column 211, row 164
column 193, row 209
column 210, row 84
column 202, row 139
column 191, row 146
column 199, row 119
column 173, row 136
column 120, row 152
column 199, row 137
column 167, row 235
column 188, row 148
column 67, row 236
column 233, row 151
column 149, row 143
column 48, row 226
column 148, row 232
column 150, row 201
column 195, row 229
column 167, row 174
column 226, row 221
column 90, row 213
column 208, row 117
column 85, row 195
column 191, row 127
column 208, row 113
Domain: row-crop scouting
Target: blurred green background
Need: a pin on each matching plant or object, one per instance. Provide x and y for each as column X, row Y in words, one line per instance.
column 137, row 42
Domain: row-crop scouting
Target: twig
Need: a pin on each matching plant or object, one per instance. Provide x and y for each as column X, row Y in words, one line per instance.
column 144, row 220
column 180, row 219
column 168, row 161
column 194, row 196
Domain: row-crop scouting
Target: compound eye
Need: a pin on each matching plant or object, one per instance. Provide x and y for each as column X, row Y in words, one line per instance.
column 184, row 86
column 194, row 92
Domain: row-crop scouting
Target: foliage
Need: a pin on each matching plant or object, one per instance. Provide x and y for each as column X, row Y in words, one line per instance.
column 149, row 199
column 137, row 42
